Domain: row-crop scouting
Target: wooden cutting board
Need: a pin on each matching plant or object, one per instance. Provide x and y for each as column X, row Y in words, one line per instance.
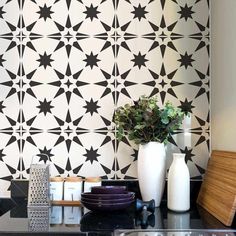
column 218, row 190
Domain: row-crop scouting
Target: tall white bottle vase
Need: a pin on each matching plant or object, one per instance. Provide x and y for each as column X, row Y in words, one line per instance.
column 178, row 190
column 152, row 171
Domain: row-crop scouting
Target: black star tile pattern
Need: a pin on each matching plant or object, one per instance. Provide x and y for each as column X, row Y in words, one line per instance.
column 45, row 60
column 91, row 12
column 139, row 12
column 45, row 107
column 139, row 60
column 91, row 106
column 45, row 12
column 93, row 154
column 98, row 58
column 186, row 12
column 91, row 60
column 186, row 60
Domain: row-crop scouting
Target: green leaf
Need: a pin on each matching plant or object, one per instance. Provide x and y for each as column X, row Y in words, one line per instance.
column 145, row 121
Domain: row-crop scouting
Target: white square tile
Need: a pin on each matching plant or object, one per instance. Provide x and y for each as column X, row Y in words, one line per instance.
column 9, row 22
column 39, row 16
column 138, row 17
column 95, row 17
column 187, row 17
column 139, row 69
column 37, row 143
column 97, row 154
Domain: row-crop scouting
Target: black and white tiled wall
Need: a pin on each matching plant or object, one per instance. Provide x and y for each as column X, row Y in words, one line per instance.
column 65, row 65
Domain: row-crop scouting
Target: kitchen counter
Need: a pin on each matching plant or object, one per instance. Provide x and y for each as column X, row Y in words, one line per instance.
column 78, row 220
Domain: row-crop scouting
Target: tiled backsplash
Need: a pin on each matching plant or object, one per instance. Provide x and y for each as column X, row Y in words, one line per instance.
column 66, row 65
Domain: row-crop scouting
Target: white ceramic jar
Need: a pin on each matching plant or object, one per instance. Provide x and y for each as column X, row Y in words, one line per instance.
column 72, row 188
column 56, row 188
column 91, row 182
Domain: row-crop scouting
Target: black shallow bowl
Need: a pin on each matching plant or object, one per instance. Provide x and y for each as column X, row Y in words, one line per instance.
column 108, row 189
column 107, row 201
column 106, row 207
column 107, row 196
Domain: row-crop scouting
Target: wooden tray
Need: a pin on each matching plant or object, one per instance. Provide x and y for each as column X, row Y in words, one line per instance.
column 218, row 190
column 66, row 203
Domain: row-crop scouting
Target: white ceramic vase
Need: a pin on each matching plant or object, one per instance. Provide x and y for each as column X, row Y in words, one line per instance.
column 152, row 171
column 178, row 190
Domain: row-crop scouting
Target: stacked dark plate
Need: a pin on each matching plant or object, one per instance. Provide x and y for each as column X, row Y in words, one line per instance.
column 107, row 198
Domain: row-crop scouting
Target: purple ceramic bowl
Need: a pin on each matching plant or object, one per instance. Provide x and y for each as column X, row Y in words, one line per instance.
column 109, row 201
column 108, row 189
column 107, row 196
column 106, row 207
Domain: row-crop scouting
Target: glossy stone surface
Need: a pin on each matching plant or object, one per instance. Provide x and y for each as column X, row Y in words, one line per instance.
column 83, row 221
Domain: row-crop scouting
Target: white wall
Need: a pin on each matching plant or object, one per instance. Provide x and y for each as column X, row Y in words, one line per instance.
column 223, row 74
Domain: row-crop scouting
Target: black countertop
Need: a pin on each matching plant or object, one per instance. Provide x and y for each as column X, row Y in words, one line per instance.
column 78, row 220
